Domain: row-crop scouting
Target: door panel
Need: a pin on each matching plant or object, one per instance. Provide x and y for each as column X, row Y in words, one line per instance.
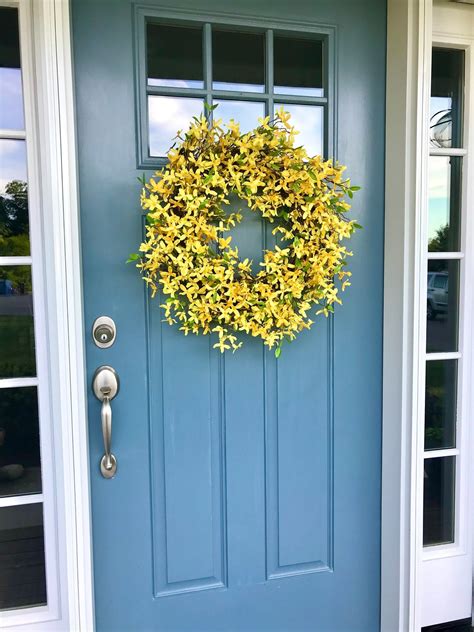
column 247, row 495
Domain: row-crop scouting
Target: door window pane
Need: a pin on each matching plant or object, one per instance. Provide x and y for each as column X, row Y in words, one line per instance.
column 174, row 56
column 442, row 306
column 298, row 66
column 20, row 464
column 11, row 96
column 17, row 339
column 23, row 577
column 238, row 60
column 446, row 98
column 245, row 113
column 438, row 500
column 308, row 120
column 440, row 404
column 444, row 203
column 167, row 116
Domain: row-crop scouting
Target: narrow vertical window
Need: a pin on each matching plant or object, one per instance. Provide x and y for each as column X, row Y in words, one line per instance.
column 23, row 577
column 445, row 272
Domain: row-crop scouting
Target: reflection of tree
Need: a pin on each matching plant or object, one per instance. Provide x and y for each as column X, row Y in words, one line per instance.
column 14, row 238
column 439, row 243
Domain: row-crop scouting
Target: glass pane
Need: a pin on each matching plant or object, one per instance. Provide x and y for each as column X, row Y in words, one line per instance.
column 17, row 338
column 308, row 120
column 442, row 306
column 298, row 66
column 238, row 61
column 168, row 115
column 11, row 96
column 440, row 404
column 243, row 112
column 23, row 577
column 438, row 500
column 447, row 74
column 174, row 56
column 14, row 238
column 444, row 199
column 20, row 464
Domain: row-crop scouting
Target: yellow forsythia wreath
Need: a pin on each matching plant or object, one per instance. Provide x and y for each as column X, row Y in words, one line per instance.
column 188, row 253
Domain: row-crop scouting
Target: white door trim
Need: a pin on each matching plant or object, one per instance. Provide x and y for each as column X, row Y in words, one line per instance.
column 409, row 30
column 408, row 84
column 60, row 204
column 50, row 126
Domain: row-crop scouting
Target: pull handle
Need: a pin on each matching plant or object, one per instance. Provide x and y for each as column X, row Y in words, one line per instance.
column 106, row 385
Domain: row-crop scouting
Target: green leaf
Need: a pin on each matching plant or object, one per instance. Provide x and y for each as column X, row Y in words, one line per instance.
column 277, row 352
column 350, row 194
column 142, row 179
column 355, row 188
column 357, row 225
column 133, row 257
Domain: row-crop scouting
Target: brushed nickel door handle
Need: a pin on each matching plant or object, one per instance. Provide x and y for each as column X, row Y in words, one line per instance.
column 106, row 385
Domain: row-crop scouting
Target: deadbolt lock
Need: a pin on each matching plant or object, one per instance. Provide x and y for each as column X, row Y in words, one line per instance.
column 103, row 332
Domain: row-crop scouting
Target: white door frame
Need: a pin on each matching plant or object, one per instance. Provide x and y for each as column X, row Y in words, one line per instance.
column 409, row 49
column 45, row 48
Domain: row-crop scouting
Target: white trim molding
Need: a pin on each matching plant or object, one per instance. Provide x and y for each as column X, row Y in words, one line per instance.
column 408, row 72
column 50, row 130
column 56, row 119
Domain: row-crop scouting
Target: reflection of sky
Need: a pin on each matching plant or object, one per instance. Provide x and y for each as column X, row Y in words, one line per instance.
column 167, row 115
column 439, row 173
column 175, row 83
column 437, row 104
column 243, row 112
column 12, row 161
column 441, row 129
column 241, row 87
column 11, row 99
column 308, row 121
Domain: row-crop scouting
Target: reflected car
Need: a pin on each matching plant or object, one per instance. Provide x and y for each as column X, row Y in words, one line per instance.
column 6, row 287
column 437, row 294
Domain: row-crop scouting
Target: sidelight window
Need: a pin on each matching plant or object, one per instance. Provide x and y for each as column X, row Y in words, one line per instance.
column 445, row 252
column 22, row 540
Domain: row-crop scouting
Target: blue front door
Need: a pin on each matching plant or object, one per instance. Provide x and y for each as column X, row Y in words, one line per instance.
column 247, row 494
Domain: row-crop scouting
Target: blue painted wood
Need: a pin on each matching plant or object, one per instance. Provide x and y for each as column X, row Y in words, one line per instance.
column 248, row 491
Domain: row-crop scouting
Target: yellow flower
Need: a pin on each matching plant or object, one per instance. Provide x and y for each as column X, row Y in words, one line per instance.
column 188, row 257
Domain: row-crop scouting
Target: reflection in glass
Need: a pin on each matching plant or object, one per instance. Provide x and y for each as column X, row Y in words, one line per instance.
column 438, row 500
column 174, row 56
column 17, row 338
column 245, row 113
column 23, row 577
column 12, row 162
column 444, row 199
column 11, row 96
column 440, row 404
column 14, row 237
column 446, row 98
column 442, row 306
column 20, row 465
column 238, row 61
column 298, row 66
column 308, row 120
column 167, row 116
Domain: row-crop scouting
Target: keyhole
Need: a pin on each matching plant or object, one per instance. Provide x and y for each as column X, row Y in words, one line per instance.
column 103, row 332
